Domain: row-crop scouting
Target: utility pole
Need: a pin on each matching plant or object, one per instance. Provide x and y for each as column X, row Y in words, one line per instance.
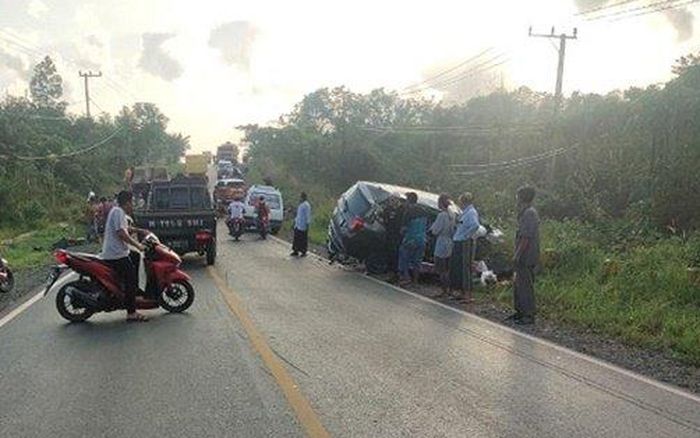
column 558, row 95
column 87, row 76
column 562, row 53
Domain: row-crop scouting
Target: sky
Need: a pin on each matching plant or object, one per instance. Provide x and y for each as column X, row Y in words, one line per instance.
column 214, row 65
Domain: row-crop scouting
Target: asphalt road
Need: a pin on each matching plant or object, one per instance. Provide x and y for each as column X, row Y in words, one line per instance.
column 273, row 344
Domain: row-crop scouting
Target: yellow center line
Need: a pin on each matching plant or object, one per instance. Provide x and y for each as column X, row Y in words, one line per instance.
column 301, row 406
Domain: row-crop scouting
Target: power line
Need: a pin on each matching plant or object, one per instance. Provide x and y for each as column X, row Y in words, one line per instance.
column 479, row 68
column 542, row 155
column 605, row 7
column 460, row 65
column 660, row 9
column 644, row 9
column 513, row 166
column 33, row 50
column 475, row 71
column 98, row 106
column 68, row 154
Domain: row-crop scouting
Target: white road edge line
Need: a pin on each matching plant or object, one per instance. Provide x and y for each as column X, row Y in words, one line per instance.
column 21, row 308
column 590, row 359
column 39, row 295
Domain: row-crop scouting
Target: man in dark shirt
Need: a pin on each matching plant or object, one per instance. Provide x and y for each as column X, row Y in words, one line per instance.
column 526, row 258
column 392, row 217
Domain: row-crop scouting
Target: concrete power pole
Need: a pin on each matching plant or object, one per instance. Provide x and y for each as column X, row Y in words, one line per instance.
column 562, row 53
column 87, row 76
column 558, row 95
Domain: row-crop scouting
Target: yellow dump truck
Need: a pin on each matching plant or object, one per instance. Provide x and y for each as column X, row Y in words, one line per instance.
column 196, row 165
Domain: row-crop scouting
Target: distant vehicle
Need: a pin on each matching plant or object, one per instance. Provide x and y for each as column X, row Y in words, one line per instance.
column 227, row 152
column 356, row 229
column 226, row 190
column 273, row 199
column 196, row 165
column 180, row 211
column 226, row 169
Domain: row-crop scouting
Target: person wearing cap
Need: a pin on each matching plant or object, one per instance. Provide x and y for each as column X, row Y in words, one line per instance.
column 463, row 252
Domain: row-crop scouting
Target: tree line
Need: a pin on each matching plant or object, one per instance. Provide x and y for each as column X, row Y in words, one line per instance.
column 50, row 159
column 626, row 154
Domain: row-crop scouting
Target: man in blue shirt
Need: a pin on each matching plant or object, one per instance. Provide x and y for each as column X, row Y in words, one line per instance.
column 301, row 228
column 463, row 252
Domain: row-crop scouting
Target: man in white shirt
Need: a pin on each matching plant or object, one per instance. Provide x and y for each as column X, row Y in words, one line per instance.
column 115, row 251
column 301, row 228
column 236, row 209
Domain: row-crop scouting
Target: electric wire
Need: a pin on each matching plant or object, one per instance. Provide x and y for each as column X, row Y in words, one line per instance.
column 67, row 154
column 643, row 10
column 605, row 7
column 450, row 70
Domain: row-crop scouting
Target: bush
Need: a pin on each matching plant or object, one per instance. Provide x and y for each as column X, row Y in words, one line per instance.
column 33, row 212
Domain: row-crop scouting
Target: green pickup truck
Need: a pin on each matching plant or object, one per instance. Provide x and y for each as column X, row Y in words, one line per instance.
column 181, row 214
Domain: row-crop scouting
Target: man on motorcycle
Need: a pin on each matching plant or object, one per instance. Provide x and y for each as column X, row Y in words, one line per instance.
column 236, row 209
column 115, row 251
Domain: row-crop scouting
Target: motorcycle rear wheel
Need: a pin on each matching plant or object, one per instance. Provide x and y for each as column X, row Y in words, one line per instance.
column 66, row 308
column 178, row 297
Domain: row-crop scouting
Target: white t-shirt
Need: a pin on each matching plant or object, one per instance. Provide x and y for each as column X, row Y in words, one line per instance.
column 236, row 210
column 113, row 247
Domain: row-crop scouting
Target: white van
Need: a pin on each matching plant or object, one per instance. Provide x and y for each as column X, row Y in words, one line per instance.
column 273, row 199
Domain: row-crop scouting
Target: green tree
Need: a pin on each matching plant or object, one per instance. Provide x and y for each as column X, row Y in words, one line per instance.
column 46, row 85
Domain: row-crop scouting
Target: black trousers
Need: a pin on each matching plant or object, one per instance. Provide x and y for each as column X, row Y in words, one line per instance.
column 125, row 270
column 301, row 241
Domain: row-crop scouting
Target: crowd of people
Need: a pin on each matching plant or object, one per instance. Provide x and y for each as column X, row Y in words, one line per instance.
column 455, row 246
column 96, row 216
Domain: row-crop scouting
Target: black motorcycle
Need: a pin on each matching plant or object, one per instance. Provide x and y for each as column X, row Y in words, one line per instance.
column 7, row 279
column 235, row 228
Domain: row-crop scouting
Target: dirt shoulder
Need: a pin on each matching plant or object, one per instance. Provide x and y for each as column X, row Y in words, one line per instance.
column 658, row 365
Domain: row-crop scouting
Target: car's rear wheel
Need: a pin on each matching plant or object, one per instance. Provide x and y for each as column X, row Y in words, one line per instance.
column 376, row 264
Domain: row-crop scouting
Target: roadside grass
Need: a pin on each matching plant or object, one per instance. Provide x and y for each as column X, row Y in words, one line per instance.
column 639, row 293
column 35, row 247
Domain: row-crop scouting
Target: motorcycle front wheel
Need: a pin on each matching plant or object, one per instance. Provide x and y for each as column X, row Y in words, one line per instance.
column 178, row 297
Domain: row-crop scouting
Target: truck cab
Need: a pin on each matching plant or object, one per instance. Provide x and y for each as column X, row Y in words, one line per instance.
column 181, row 213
